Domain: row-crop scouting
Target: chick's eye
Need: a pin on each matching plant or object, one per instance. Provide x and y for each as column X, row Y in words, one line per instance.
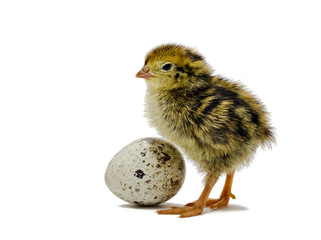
column 167, row 66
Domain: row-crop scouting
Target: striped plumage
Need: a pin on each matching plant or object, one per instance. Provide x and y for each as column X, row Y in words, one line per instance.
column 216, row 122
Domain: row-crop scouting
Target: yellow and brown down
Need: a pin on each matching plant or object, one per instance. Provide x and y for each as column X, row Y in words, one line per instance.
column 215, row 121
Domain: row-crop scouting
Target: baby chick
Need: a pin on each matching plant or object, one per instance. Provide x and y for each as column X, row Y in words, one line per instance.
column 216, row 122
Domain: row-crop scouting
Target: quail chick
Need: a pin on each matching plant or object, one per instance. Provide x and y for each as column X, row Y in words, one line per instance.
column 216, row 122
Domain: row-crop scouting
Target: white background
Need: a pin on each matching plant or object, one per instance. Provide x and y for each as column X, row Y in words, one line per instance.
column 69, row 101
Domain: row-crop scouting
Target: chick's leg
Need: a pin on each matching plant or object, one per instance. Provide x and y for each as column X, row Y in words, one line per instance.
column 198, row 206
column 225, row 195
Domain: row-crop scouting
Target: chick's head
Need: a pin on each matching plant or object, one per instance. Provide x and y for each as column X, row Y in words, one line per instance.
column 173, row 66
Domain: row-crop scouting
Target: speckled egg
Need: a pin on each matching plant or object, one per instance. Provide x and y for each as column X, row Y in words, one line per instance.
column 147, row 171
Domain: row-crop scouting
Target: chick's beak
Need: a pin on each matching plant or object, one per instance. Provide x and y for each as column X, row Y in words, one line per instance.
column 144, row 73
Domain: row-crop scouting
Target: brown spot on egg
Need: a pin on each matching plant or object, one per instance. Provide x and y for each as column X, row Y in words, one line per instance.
column 139, row 174
column 174, row 183
column 143, row 153
column 164, row 157
column 153, row 149
column 160, row 148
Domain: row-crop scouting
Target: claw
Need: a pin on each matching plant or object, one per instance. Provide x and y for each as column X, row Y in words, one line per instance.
column 183, row 211
column 192, row 213
column 232, row 196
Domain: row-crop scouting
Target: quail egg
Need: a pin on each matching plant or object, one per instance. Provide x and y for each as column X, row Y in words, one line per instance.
column 147, row 171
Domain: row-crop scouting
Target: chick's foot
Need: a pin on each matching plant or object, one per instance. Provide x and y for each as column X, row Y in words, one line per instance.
column 191, row 211
column 221, row 202
column 224, row 198
column 212, row 201
column 198, row 206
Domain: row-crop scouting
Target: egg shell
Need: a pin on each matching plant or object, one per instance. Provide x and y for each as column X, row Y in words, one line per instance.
column 147, row 171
